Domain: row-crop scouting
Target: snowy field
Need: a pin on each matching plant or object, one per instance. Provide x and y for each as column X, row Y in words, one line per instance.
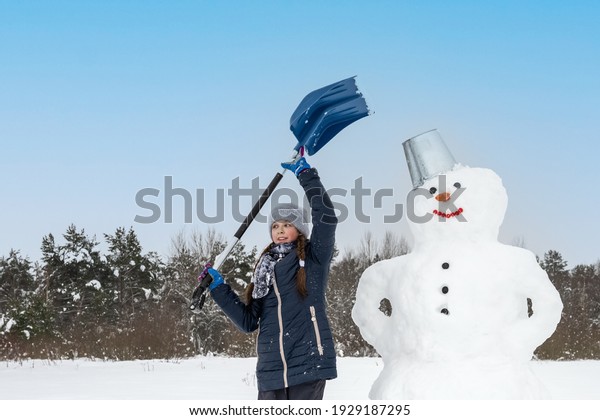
column 216, row 378
column 158, row 389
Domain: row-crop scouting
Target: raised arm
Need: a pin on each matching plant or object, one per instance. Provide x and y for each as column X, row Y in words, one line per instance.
column 324, row 220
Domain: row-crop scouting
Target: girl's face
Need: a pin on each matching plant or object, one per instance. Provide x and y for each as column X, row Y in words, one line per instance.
column 283, row 231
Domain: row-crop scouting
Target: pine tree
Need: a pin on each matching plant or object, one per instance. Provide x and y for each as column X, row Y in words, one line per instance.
column 133, row 275
column 72, row 271
column 16, row 290
column 555, row 265
column 584, row 312
column 562, row 344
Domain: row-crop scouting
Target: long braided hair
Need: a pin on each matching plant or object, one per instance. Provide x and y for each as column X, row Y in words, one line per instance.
column 300, row 274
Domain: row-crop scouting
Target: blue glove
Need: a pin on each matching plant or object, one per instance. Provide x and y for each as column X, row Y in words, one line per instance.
column 296, row 166
column 217, row 278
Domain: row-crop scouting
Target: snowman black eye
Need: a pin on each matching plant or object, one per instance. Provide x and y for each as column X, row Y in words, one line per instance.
column 432, row 190
column 457, row 184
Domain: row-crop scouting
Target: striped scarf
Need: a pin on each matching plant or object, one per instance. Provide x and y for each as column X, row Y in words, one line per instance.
column 265, row 269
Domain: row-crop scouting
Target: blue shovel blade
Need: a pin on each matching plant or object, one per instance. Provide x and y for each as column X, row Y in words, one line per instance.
column 317, row 119
column 333, row 120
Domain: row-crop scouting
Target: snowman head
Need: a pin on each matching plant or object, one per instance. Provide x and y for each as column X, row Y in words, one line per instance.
column 461, row 204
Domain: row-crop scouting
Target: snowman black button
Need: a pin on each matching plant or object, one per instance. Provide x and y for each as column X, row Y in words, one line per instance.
column 445, row 311
column 445, row 289
column 445, row 266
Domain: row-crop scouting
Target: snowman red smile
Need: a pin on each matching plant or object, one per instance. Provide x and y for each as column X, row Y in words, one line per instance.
column 448, row 215
column 442, row 198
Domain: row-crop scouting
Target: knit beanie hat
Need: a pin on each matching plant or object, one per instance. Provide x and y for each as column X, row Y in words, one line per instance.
column 291, row 213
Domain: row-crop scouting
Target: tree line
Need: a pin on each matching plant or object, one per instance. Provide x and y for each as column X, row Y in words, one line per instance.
column 124, row 304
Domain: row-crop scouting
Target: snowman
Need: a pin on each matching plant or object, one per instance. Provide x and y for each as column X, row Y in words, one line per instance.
column 467, row 311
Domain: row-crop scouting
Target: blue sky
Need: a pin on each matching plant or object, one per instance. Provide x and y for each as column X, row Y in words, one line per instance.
column 99, row 99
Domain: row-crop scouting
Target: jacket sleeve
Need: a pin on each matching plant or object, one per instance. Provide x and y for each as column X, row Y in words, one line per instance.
column 245, row 317
column 324, row 220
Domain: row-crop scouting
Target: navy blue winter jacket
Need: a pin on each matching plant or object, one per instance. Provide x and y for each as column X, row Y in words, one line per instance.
column 294, row 343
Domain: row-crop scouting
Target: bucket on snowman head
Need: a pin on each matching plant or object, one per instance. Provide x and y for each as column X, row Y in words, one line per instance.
column 427, row 156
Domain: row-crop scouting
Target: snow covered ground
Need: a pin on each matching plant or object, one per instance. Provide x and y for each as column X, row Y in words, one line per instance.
column 158, row 389
column 216, row 378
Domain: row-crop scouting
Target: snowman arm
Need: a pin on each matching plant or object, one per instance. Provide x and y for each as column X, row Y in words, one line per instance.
column 374, row 325
column 545, row 301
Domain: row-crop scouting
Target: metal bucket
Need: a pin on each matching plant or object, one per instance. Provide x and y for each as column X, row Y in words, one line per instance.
column 427, row 156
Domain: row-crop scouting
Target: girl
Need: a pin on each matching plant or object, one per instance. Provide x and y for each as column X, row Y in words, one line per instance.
column 286, row 299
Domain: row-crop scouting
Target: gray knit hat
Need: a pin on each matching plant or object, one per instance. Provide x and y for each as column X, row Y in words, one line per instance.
column 291, row 213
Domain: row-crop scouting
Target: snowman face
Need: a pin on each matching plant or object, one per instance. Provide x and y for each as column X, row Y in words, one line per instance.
column 463, row 203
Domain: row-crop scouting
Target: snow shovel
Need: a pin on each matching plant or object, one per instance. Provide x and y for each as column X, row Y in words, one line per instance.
column 318, row 118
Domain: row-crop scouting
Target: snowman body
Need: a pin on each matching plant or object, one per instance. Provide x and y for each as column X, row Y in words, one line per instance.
column 461, row 326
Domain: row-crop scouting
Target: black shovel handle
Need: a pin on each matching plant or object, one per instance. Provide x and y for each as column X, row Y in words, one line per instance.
column 204, row 279
column 258, row 205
